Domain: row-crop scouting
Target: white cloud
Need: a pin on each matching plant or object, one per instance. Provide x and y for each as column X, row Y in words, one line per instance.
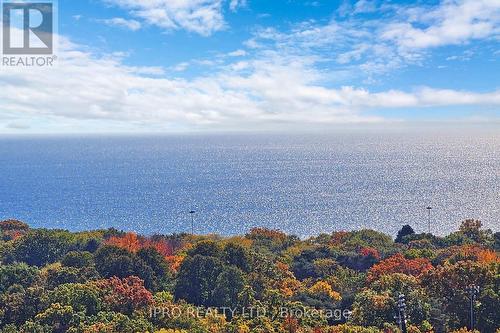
column 282, row 79
column 123, row 23
column 181, row 67
column 237, row 53
column 84, row 89
column 374, row 45
column 199, row 16
column 365, row 6
column 235, row 4
column 465, row 56
column 453, row 22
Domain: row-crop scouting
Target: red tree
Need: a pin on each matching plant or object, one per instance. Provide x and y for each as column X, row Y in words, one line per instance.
column 370, row 252
column 125, row 295
column 399, row 264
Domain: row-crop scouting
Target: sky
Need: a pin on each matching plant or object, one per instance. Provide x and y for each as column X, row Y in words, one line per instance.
column 212, row 65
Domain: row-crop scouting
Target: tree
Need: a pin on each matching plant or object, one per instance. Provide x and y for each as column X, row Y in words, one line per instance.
column 273, row 240
column 56, row 275
column 19, row 304
column 13, row 225
column 322, row 288
column 471, row 231
column 407, row 230
column 17, row 274
column 471, row 228
column 228, row 286
column 399, row 264
column 449, row 285
column 114, row 261
column 109, row 321
column 12, row 229
column 125, row 295
column 130, row 242
column 12, row 302
column 303, row 265
column 81, row 297
column 196, row 279
column 41, row 247
column 58, row 317
column 354, row 240
column 162, row 275
column 237, row 255
column 78, row 259
column 370, row 252
column 206, row 248
column 372, row 308
column 417, row 299
column 489, row 304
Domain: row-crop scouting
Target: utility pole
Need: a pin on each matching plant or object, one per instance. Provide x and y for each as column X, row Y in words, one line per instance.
column 429, row 208
column 473, row 291
column 401, row 318
column 192, row 221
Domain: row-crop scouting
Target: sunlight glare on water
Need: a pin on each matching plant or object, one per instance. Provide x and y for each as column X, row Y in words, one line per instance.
column 302, row 184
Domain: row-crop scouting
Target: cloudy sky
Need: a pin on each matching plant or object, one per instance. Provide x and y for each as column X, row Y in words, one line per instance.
column 183, row 65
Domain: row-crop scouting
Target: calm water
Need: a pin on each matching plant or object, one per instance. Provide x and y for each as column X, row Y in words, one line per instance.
column 304, row 184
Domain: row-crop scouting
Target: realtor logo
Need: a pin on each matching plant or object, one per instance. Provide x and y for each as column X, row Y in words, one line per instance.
column 28, row 28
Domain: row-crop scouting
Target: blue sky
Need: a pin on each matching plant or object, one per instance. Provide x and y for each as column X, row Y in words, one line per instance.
column 181, row 65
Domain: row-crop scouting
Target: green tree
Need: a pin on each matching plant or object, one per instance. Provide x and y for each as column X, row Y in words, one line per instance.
column 81, row 297
column 489, row 305
column 196, row 279
column 162, row 276
column 228, row 286
column 78, row 259
column 237, row 255
column 19, row 273
column 18, row 304
column 58, row 317
column 114, row 261
column 206, row 248
column 41, row 247
column 407, row 230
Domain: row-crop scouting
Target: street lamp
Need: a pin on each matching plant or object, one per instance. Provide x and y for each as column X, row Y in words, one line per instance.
column 402, row 313
column 473, row 291
column 429, row 208
column 192, row 221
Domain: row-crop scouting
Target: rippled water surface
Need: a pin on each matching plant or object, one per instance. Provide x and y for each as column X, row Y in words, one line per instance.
column 304, row 184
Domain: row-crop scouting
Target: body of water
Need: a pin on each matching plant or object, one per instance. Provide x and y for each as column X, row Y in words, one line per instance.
column 303, row 184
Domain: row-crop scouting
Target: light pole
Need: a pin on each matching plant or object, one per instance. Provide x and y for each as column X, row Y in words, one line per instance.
column 192, row 221
column 473, row 291
column 402, row 313
column 429, row 208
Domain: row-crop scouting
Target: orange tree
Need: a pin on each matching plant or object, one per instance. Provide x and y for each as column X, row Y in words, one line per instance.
column 399, row 264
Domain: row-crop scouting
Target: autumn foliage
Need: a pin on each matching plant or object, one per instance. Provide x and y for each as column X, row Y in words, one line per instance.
column 399, row 264
column 13, row 229
column 125, row 295
column 370, row 252
column 257, row 233
column 129, row 242
column 56, row 281
column 133, row 243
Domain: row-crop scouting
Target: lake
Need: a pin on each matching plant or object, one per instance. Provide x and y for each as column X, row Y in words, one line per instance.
column 304, row 184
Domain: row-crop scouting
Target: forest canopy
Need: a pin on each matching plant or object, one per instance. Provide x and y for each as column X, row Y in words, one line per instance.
column 265, row 281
